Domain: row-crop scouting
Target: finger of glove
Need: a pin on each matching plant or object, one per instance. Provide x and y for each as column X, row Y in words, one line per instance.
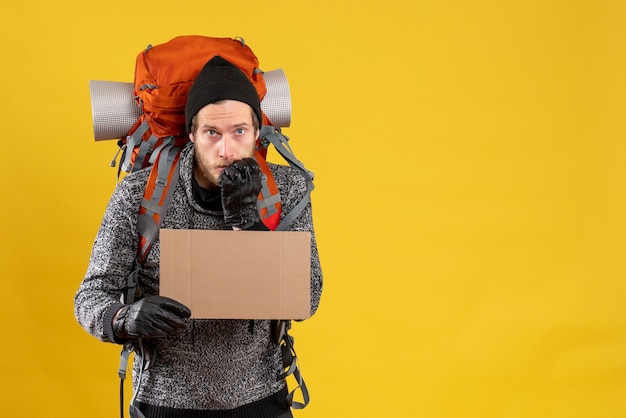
column 242, row 170
column 229, row 178
column 250, row 174
column 252, row 166
column 236, row 184
column 173, row 306
column 159, row 324
column 168, row 321
column 237, row 170
column 150, row 327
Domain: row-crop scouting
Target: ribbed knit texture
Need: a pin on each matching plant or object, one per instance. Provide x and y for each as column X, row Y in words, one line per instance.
column 212, row 364
column 270, row 407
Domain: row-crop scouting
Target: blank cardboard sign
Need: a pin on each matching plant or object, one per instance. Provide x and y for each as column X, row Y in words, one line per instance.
column 237, row 274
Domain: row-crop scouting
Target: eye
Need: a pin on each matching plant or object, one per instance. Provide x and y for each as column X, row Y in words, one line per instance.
column 240, row 131
column 211, row 132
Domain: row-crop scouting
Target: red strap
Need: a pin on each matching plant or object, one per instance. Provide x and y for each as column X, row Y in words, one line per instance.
column 270, row 213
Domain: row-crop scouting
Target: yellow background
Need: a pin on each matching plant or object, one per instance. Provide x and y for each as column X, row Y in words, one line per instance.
column 470, row 206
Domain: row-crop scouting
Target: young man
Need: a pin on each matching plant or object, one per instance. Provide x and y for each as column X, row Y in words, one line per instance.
column 198, row 368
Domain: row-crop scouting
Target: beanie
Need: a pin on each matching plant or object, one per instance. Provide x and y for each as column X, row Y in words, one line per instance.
column 220, row 80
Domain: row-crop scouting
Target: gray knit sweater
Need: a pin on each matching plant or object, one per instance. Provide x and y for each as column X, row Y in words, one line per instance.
column 212, row 364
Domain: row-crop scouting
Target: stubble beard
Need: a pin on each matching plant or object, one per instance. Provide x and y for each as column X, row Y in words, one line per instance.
column 203, row 168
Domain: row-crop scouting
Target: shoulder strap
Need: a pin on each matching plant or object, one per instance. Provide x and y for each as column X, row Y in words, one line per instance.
column 273, row 135
column 161, row 184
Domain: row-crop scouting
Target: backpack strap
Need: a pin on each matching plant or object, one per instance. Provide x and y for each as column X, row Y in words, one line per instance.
column 273, row 135
column 128, row 297
column 145, row 147
column 269, row 204
column 161, row 184
column 133, row 140
column 159, row 190
column 290, row 363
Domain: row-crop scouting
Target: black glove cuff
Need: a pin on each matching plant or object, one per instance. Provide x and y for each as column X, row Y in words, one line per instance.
column 107, row 323
column 118, row 323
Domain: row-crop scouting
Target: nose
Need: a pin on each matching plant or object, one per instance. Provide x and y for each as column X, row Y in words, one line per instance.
column 225, row 148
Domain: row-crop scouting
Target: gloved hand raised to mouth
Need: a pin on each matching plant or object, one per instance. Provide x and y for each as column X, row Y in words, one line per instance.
column 150, row 317
column 241, row 184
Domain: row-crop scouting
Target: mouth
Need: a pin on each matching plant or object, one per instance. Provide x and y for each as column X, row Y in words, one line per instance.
column 219, row 170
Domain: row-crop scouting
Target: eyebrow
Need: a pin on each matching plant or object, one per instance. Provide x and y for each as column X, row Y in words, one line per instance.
column 234, row 126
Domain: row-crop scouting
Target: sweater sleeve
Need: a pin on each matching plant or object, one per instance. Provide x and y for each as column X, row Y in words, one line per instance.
column 112, row 255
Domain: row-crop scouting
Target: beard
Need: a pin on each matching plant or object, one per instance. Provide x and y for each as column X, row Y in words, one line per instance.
column 207, row 172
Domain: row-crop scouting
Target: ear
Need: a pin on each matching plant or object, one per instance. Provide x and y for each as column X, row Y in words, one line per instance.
column 191, row 137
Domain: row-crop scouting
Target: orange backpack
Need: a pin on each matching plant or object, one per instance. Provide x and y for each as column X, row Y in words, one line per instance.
column 163, row 76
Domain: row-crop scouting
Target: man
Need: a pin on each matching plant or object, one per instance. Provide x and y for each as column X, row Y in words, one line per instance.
column 197, row 368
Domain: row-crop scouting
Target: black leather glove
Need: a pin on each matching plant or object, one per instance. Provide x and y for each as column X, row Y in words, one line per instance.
column 152, row 316
column 241, row 184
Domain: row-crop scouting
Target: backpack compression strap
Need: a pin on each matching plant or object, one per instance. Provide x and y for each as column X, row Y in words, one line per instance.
column 135, row 140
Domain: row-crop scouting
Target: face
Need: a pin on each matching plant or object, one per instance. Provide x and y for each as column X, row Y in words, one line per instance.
column 223, row 132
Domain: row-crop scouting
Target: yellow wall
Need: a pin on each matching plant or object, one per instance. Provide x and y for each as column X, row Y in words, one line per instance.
column 470, row 165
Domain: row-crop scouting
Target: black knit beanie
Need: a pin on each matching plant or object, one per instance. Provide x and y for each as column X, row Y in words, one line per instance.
column 220, row 80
